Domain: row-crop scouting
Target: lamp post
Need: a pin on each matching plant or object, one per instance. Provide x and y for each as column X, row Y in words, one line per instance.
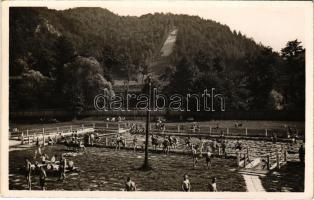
column 146, row 164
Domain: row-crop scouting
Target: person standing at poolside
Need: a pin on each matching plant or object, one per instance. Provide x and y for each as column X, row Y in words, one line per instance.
column 42, row 178
column 62, row 167
column 28, row 173
column 194, row 155
column 208, row 159
column 301, row 153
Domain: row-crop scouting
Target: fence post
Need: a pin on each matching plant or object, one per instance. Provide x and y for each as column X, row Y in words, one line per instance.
column 285, row 155
column 27, row 133
column 83, row 127
column 71, row 128
column 22, row 138
column 57, row 130
column 244, row 164
column 93, row 125
column 106, row 125
column 277, row 159
column 265, row 132
column 43, row 136
column 268, row 162
column 246, row 131
column 227, row 131
column 29, row 140
column 150, row 126
column 210, row 129
column 106, row 142
column 178, row 128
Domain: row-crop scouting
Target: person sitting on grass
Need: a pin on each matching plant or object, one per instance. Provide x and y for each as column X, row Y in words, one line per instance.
column 42, row 178
column 213, row 185
column 130, row 185
column 50, row 141
column 81, row 145
column 186, row 185
column 43, row 158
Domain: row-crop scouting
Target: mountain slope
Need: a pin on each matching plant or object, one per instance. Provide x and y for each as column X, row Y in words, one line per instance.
column 131, row 42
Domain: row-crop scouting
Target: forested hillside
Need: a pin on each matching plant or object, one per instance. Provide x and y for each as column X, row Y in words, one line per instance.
column 56, row 57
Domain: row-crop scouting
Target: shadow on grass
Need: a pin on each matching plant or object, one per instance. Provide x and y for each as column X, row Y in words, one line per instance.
column 290, row 178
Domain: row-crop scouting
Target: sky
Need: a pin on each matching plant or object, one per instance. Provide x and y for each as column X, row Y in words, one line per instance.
column 270, row 23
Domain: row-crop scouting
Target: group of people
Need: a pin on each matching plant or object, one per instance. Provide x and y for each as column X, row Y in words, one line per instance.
column 41, row 167
column 185, row 186
column 195, row 127
column 292, row 133
column 136, row 129
column 113, row 119
column 160, row 125
column 74, row 143
column 167, row 143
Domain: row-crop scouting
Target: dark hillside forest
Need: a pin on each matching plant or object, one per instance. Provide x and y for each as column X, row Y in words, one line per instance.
column 62, row 59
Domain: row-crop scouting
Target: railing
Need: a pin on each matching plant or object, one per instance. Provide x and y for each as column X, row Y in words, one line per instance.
column 32, row 135
column 275, row 158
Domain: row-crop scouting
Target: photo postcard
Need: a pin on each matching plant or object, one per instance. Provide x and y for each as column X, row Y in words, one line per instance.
column 157, row 99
